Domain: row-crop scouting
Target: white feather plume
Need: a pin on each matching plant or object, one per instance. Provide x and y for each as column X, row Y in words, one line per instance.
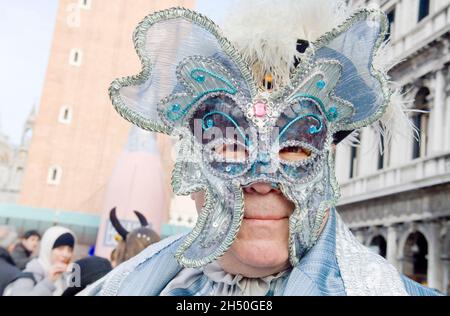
column 352, row 140
column 266, row 31
column 396, row 120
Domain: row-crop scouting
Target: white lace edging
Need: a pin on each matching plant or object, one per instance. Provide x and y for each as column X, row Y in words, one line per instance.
column 363, row 272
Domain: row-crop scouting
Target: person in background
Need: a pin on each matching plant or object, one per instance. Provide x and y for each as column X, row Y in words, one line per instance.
column 86, row 271
column 132, row 243
column 8, row 270
column 46, row 275
column 24, row 250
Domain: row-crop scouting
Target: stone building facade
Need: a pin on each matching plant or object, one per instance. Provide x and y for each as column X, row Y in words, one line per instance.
column 396, row 199
column 13, row 159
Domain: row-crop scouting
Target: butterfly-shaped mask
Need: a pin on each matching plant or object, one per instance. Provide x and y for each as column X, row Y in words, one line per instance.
column 195, row 85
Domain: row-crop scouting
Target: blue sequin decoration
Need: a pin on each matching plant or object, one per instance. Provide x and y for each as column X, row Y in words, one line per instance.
column 313, row 130
column 209, row 123
column 321, row 84
column 333, row 113
column 176, row 108
column 200, row 78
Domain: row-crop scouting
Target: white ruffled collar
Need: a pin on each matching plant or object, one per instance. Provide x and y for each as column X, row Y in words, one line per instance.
column 246, row 286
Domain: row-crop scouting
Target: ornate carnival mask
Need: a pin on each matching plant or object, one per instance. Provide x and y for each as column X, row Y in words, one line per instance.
column 195, row 85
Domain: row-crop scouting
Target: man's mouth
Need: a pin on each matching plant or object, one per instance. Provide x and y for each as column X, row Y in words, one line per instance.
column 266, row 218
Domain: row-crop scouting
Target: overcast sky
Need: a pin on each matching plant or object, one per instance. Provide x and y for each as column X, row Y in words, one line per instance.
column 26, row 30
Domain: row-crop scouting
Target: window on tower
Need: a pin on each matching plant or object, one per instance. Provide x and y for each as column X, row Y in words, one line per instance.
column 75, row 58
column 85, row 4
column 54, row 175
column 65, row 114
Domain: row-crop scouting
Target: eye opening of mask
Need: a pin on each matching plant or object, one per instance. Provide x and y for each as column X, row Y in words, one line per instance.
column 294, row 153
column 230, row 152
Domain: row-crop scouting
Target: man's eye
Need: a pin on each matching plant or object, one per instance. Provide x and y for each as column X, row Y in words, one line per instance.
column 294, row 153
column 232, row 151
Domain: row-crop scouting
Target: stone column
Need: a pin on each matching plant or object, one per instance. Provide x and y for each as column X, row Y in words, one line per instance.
column 434, row 274
column 437, row 113
column 446, row 260
column 391, row 247
column 446, row 275
column 447, row 122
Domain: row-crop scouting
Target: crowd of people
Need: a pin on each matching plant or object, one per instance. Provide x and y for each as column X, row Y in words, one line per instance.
column 35, row 265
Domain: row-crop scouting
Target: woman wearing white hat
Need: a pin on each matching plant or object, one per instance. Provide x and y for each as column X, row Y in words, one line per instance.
column 44, row 276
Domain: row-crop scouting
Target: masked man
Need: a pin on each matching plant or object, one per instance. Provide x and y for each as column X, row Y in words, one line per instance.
column 258, row 114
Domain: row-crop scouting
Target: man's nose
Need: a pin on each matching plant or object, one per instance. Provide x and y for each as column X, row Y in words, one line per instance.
column 261, row 188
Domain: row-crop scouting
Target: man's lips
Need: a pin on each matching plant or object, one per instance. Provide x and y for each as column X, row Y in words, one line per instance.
column 265, row 218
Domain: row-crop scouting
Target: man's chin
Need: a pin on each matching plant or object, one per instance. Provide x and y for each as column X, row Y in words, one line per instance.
column 261, row 253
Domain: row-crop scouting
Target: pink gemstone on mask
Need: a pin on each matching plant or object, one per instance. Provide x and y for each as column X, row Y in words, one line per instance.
column 260, row 109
